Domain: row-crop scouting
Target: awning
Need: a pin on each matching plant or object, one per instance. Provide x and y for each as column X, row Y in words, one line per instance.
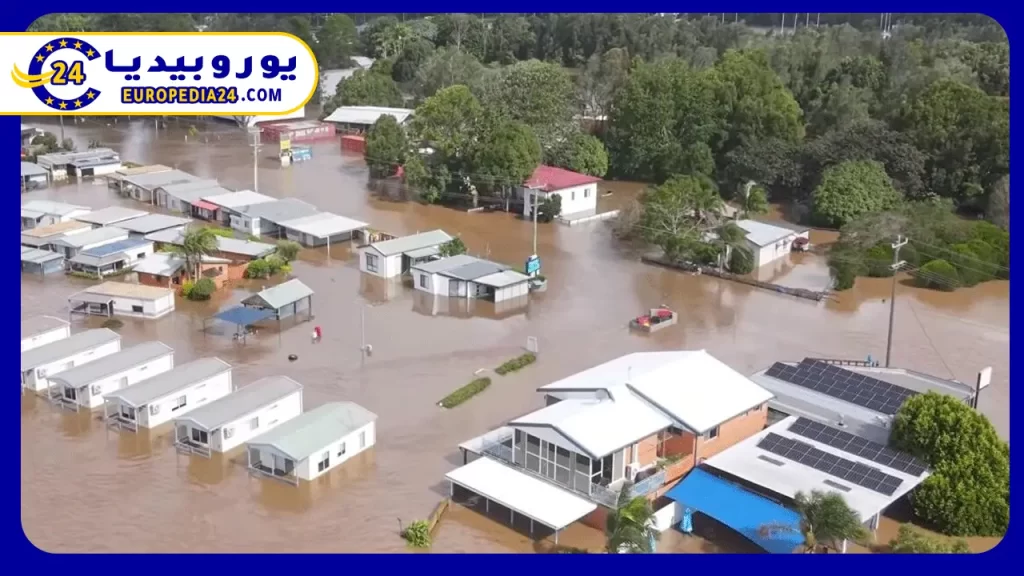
column 204, row 205
column 523, row 494
column 243, row 316
column 758, row 519
column 89, row 298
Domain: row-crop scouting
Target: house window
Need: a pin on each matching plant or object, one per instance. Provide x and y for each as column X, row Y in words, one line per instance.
column 325, row 462
column 362, row 439
column 254, row 423
column 179, row 402
column 154, row 409
column 586, row 192
column 674, row 431
column 96, row 390
column 228, row 433
column 141, row 255
column 341, row 450
column 371, row 263
column 128, row 412
column 200, row 436
column 572, row 196
column 423, row 280
column 137, row 309
column 711, row 434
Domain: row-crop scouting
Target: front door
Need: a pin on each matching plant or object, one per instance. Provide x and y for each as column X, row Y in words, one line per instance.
column 454, row 286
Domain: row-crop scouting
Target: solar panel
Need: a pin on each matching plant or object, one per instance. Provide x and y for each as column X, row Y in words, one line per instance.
column 857, row 446
column 846, row 385
column 853, row 472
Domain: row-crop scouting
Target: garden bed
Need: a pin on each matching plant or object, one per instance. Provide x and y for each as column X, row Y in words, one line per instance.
column 516, row 363
column 465, row 393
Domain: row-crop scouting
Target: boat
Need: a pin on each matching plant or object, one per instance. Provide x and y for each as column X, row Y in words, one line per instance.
column 655, row 319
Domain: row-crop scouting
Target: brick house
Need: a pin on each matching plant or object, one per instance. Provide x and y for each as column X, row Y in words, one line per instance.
column 648, row 418
column 165, row 270
column 236, row 251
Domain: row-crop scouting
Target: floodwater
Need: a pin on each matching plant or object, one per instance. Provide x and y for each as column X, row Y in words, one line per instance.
column 89, row 490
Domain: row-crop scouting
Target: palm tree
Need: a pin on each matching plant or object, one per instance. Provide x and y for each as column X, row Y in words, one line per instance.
column 630, row 527
column 825, row 522
column 196, row 243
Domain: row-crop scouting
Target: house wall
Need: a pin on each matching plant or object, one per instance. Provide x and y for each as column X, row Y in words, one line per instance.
column 733, row 431
column 510, row 292
column 150, row 308
column 387, row 266
column 91, row 395
column 574, row 199
column 45, row 338
column 37, row 379
column 269, row 417
column 71, row 252
column 308, row 468
column 244, row 223
column 138, row 253
column 198, row 394
column 99, row 170
column 158, row 281
column 767, row 254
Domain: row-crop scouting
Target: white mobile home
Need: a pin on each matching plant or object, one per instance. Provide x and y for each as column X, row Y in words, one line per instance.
column 70, row 246
column 41, row 330
column 265, row 217
column 142, row 186
column 236, row 418
column 40, row 363
column 35, row 261
column 84, row 386
column 770, row 242
column 123, row 299
column 110, row 215
column 465, row 276
column 394, row 257
column 111, row 258
column 178, row 197
column 33, row 176
column 43, row 237
column 322, row 229
column 236, row 203
column 312, row 444
column 152, row 223
column 95, row 166
column 63, row 164
column 160, row 399
column 44, row 212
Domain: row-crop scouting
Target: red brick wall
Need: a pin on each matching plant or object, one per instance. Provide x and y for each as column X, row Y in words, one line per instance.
column 151, row 280
column 734, row 431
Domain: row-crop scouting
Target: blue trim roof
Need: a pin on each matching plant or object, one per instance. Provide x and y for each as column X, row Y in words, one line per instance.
column 115, row 247
column 743, row 511
column 243, row 316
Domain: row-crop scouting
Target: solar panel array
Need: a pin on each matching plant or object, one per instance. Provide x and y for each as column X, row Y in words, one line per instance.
column 858, row 446
column 853, row 472
column 847, row 385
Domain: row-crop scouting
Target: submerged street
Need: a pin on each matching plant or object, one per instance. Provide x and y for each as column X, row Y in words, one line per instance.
column 135, row 493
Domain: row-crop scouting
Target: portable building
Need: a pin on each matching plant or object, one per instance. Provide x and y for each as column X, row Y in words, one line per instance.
column 33, row 176
column 235, row 204
column 85, row 386
column 322, row 229
column 225, row 424
column 153, row 223
column 265, row 218
column 38, row 364
column 123, row 299
column 142, row 187
column 295, row 132
column 160, row 399
column 43, row 237
column 465, row 276
column 63, row 164
column 43, row 262
column 39, row 331
column 110, row 215
column 72, row 245
column 111, row 258
column 178, row 197
column 95, row 166
column 394, row 257
column 44, row 212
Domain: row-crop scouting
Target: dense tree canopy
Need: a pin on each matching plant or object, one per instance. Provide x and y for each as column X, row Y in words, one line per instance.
column 366, row 88
column 850, row 189
column 386, row 147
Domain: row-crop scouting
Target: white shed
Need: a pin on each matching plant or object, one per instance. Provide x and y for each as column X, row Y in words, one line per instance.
column 42, row 330
column 160, row 399
column 84, row 386
column 465, row 276
column 227, row 423
column 44, row 212
column 577, row 191
column 40, row 363
column 769, row 242
column 392, row 258
column 312, row 444
column 123, row 299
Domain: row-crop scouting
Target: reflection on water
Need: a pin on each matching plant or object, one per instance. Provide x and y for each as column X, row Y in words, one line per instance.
column 595, row 285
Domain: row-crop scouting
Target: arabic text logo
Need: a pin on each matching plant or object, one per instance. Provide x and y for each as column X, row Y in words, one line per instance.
column 57, row 74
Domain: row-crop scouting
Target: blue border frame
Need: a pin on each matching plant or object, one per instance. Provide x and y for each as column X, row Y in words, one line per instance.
column 19, row 15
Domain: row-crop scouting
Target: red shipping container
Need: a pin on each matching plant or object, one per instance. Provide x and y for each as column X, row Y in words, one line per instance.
column 353, row 143
column 296, row 131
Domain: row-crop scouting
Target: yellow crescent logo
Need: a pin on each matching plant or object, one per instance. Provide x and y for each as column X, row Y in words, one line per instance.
column 30, row 81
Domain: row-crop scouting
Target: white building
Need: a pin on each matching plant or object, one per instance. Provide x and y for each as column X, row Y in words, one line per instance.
column 394, row 257
column 43, row 237
column 173, row 394
column 178, row 197
column 578, row 191
column 235, row 204
column 95, row 166
column 769, row 242
column 63, row 164
column 153, row 223
column 43, row 212
column 266, row 217
column 227, row 423
column 110, row 215
column 111, row 258
column 84, row 386
column 41, row 330
column 363, row 117
column 464, row 276
column 33, row 176
column 123, row 299
column 321, row 229
column 71, row 246
column 39, row 363
column 314, row 443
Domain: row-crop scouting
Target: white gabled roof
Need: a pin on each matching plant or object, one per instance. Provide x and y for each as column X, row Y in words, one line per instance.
column 366, row 115
column 692, row 387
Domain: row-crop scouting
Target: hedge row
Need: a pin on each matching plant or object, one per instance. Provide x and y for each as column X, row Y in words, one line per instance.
column 516, row 363
column 465, row 393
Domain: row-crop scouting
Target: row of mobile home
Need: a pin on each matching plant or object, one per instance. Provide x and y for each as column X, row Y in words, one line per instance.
column 85, row 386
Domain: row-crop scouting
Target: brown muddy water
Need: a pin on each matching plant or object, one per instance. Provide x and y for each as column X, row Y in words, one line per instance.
column 135, row 494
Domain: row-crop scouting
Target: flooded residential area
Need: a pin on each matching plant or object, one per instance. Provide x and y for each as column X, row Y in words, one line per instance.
column 135, row 493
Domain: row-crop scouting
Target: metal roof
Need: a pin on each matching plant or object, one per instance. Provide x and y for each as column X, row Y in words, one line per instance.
column 228, row 245
column 366, row 115
column 423, row 252
column 167, row 383
column 153, row 180
column 474, row 270
column 281, row 210
column 125, row 290
column 277, row 297
column 242, row 402
column 35, row 325
column 764, row 234
column 37, row 256
column 440, row 265
column 192, row 190
column 160, row 264
column 503, row 279
column 113, row 364
column 323, row 224
column 32, row 169
column 55, row 229
column 304, row 435
column 242, row 316
column 51, row 207
column 97, row 161
column 61, row 349
column 239, row 200
column 107, row 233
column 110, row 215
column 152, row 223
column 61, row 158
column 410, row 243
column 115, row 247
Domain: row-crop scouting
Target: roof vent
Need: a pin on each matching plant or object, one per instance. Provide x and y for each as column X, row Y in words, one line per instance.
column 842, row 422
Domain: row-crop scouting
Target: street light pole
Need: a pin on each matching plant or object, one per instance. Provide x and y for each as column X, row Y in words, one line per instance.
column 254, row 133
column 896, row 265
column 534, row 222
column 61, row 129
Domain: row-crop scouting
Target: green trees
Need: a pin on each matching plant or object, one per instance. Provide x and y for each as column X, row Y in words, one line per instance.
column 197, row 243
column 538, row 94
column 386, row 147
column 368, row 88
column 826, row 521
column 968, row 491
column 508, row 153
column 581, row 153
column 453, row 247
column 911, row 541
column 851, row 189
column 338, row 42
column 288, row 250
column 676, row 214
column 630, row 527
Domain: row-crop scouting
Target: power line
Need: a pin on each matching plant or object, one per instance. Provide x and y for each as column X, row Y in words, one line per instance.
column 962, row 256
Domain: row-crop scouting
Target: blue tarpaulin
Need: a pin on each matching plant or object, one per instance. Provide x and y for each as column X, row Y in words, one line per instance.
column 756, row 518
column 243, row 316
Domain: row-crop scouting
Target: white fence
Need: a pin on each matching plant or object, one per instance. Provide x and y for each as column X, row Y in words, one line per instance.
column 668, row 516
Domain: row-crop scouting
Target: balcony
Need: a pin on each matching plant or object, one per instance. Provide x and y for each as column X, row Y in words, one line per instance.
column 607, row 496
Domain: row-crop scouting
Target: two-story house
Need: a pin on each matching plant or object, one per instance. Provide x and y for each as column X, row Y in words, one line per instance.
column 647, row 418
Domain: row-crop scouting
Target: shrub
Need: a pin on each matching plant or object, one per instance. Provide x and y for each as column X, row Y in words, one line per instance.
column 202, row 289
column 186, row 289
column 741, row 261
column 939, row 275
column 112, row 323
column 453, row 247
column 850, row 189
column 224, row 232
column 288, row 250
column 910, row 541
column 465, row 393
column 879, row 260
column 276, row 264
column 516, row 363
column 968, row 492
column 266, row 267
column 417, row 534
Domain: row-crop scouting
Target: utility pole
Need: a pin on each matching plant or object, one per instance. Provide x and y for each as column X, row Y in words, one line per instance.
column 896, row 265
column 818, row 21
column 534, row 221
column 61, row 130
column 254, row 134
column 782, row 28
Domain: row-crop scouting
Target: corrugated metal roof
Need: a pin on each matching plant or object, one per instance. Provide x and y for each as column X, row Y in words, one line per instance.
column 51, row 207
column 281, row 210
column 153, row 180
column 409, row 243
column 228, row 245
column 277, row 297
column 152, row 223
column 125, row 290
column 162, row 385
column 40, row 324
column 423, row 252
column 116, row 363
column 240, row 199
column 55, row 229
column 32, row 169
column 323, row 224
column 61, row 158
column 107, row 233
column 160, row 264
column 300, row 437
column 67, row 347
column 192, row 190
column 243, row 401
column 37, row 256
column 435, row 266
column 93, row 162
column 503, row 279
column 763, row 234
column 115, row 247
column 474, row 270
column 110, row 215
column 366, row 115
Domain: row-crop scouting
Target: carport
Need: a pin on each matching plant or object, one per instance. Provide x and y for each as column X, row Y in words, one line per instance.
column 242, row 317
